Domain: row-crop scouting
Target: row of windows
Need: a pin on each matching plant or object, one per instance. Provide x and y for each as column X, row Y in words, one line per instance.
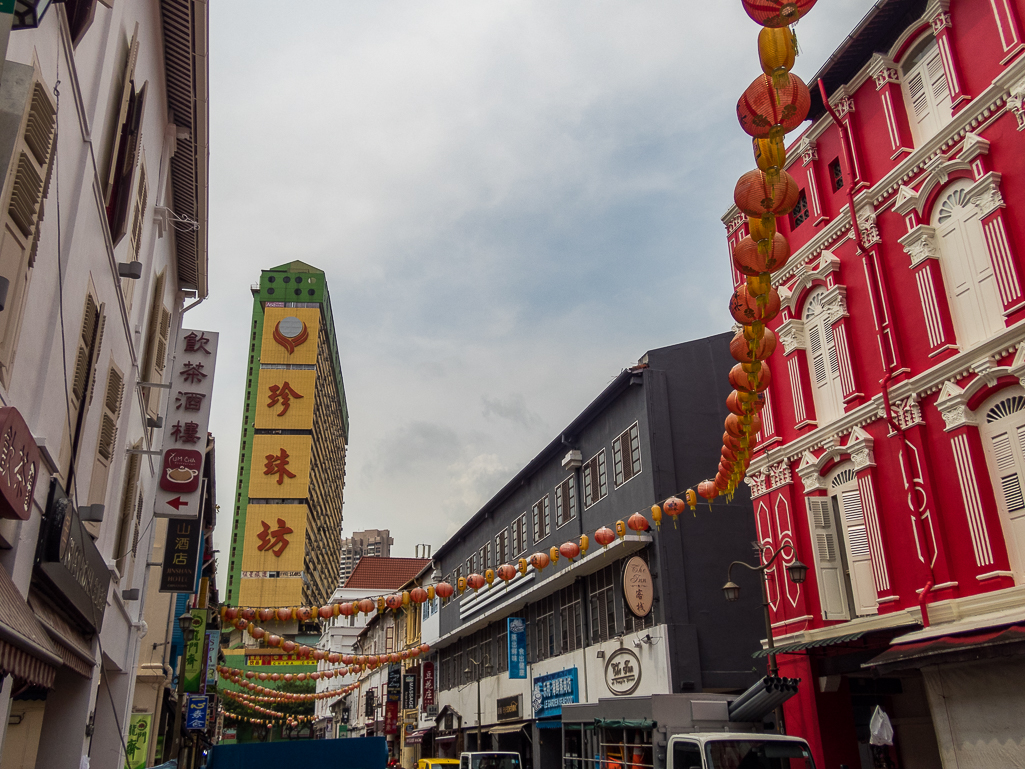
column 556, row 625
column 512, row 542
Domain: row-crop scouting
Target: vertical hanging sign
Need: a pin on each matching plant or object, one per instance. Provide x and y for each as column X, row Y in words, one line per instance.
column 186, row 422
column 194, row 656
column 137, row 745
column 517, row 635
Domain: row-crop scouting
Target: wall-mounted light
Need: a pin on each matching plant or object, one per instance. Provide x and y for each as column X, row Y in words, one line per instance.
column 28, row 13
column 91, row 513
column 130, row 270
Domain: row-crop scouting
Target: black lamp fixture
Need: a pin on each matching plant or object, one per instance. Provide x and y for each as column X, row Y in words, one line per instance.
column 185, row 623
column 28, row 13
column 731, row 590
column 798, row 572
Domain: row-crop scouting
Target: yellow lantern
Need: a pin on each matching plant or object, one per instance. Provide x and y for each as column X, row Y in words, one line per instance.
column 584, row 544
column 521, row 566
column 430, row 592
column 489, row 576
column 620, row 529
column 692, row 499
column 553, row 554
column 770, row 156
column 656, row 516
column 776, row 52
column 405, row 598
column 461, row 585
column 380, row 604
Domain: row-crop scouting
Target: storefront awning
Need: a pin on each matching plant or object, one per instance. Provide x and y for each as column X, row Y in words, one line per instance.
column 415, row 738
column 554, row 723
column 444, row 737
column 912, row 655
column 74, row 650
column 796, row 647
column 508, row 728
column 25, row 650
column 625, row 723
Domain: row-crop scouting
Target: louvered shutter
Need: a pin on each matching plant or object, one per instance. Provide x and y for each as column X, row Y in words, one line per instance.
column 25, row 187
column 1009, row 476
column 127, row 88
column 112, row 397
column 828, row 564
column 124, row 532
column 126, row 170
column 859, row 556
column 928, row 97
column 157, row 334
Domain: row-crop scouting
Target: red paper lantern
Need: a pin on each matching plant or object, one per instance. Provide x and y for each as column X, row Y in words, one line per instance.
column 475, row 581
column 604, row 536
column 265, row 615
column 506, row 572
column 304, row 614
column 765, row 111
column 539, row 561
column 346, row 609
column 757, row 196
column 737, row 428
column 750, row 381
column 741, row 403
column 744, row 352
column 288, row 646
column 673, row 506
column 751, row 258
column 745, row 308
column 424, row 648
column 326, row 612
column 638, row 522
column 274, row 640
column 708, row 490
column 777, row 13
column 257, row 632
column 393, row 602
column 283, row 614
column 366, row 606
column 444, row 590
column 569, row 550
column 417, row 595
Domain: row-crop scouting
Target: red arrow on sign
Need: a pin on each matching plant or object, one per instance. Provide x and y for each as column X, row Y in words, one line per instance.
column 177, row 503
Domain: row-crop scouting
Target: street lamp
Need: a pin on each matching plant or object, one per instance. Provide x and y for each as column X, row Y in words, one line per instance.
column 28, row 13
column 798, row 573
column 484, row 662
column 185, row 624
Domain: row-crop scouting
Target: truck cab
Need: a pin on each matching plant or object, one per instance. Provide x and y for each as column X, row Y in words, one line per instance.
column 489, row 760
column 718, row 750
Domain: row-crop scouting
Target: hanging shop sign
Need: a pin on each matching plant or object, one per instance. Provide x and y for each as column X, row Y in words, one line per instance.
column 213, row 643
column 137, row 745
column 637, row 586
column 550, row 692
column 19, row 465
column 70, row 562
column 392, row 696
column 180, row 565
column 409, row 691
column 194, row 659
column 270, row 660
column 516, row 632
column 509, row 708
column 370, row 707
column 427, row 700
column 196, row 707
column 622, row 672
column 186, row 423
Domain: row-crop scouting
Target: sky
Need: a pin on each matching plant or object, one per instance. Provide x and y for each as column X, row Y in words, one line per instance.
column 512, row 200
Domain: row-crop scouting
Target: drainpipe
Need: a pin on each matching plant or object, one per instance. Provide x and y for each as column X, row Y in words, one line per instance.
column 876, row 290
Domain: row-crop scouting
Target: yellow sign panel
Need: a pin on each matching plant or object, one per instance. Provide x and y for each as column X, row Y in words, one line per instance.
column 275, row 538
column 290, row 335
column 283, row 591
column 280, row 467
column 285, row 399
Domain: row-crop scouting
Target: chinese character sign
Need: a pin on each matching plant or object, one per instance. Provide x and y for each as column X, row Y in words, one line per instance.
column 194, row 656
column 280, row 467
column 19, row 465
column 213, row 643
column 181, row 556
column 196, row 712
column 285, row 398
column 517, row 635
column 137, row 740
column 552, row 691
column 428, row 684
column 274, row 539
column 179, row 489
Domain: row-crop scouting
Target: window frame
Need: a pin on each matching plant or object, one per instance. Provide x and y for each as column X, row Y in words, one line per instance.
column 626, row 440
column 541, row 517
column 601, row 473
column 562, row 500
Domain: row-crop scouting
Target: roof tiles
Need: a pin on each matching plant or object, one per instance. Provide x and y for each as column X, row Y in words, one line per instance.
column 378, row 573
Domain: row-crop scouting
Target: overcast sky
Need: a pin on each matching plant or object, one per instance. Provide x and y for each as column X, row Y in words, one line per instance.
column 512, row 201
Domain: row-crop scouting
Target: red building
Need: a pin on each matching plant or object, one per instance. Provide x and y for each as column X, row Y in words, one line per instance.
column 892, row 456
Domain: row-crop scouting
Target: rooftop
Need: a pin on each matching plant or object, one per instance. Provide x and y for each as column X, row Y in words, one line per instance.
column 378, row 573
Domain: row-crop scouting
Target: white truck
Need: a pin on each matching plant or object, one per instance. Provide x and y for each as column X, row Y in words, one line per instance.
column 489, row 760
column 673, row 731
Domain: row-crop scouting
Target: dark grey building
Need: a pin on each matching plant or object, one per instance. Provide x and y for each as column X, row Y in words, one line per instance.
column 646, row 615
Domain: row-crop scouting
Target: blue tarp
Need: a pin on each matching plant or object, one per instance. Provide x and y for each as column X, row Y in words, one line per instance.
column 351, row 753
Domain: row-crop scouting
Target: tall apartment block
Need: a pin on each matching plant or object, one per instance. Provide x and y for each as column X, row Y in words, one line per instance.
column 370, row 542
column 286, row 535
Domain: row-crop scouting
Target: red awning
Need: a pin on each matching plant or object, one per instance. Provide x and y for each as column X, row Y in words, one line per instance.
column 910, row 655
column 25, row 650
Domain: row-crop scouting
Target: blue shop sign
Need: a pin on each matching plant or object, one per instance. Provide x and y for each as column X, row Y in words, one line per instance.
column 196, row 709
column 517, row 633
column 552, row 691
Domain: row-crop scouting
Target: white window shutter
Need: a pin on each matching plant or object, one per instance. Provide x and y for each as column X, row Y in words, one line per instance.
column 858, row 553
column 828, row 564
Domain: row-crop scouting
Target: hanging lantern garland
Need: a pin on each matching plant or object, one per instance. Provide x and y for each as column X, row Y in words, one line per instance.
column 773, row 105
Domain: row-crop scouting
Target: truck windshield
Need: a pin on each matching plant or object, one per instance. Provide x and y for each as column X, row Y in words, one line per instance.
column 500, row 761
column 758, row 754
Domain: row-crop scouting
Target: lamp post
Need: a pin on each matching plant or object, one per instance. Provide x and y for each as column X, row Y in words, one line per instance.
column 484, row 662
column 797, row 571
column 185, row 624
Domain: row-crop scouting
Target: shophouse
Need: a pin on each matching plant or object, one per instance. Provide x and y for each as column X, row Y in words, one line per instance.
column 891, row 457
column 104, row 158
column 644, row 615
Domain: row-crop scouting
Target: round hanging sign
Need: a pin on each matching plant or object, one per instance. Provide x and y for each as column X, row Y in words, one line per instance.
column 637, row 587
column 622, row 672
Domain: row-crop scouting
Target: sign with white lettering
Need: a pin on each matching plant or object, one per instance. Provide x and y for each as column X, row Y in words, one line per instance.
column 179, row 493
column 552, row 691
column 181, row 556
column 517, row 635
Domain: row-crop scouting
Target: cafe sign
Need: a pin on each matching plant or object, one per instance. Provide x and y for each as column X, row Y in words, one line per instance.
column 637, row 586
column 622, row 672
column 19, row 465
column 509, row 708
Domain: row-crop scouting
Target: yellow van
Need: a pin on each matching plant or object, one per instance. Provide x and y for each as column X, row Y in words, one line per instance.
column 437, row 763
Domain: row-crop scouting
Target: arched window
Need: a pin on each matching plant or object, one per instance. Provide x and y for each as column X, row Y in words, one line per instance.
column 967, row 269
column 843, row 560
column 1002, row 427
column 823, row 362
column 925, row 90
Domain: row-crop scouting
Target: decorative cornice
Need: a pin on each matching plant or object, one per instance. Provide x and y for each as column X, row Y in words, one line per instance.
column 808, row 151
column 952, row 405
column 791, row 335
column 906, row 413
column 1016, row 102
column 985, row 194
column 867, row 225
column 834, row 302
column 883, row 70
column 920, row 244
column 937, row 171
column 972, row 147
